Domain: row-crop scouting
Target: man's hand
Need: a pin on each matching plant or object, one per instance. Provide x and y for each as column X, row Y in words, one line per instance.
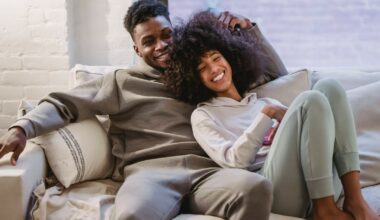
column 275, row 111
column 13, row 141
column 233, row 22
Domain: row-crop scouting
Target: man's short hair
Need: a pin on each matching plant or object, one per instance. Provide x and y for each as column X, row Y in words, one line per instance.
column 141, row 11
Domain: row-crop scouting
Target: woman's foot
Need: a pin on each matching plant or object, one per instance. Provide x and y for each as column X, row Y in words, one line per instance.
column 336, row 215
column 326, row 209
column 359, row 209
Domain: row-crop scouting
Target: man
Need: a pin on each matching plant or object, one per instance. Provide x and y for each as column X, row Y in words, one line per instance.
column 163, row 168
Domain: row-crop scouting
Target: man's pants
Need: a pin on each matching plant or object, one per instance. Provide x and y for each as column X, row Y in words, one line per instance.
column 314, row 146
column 162, row 188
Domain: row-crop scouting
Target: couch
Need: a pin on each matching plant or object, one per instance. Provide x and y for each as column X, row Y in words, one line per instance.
column 22, row 191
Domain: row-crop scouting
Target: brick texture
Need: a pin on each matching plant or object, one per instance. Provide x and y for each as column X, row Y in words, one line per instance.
column 34, row 56
column 42, row 39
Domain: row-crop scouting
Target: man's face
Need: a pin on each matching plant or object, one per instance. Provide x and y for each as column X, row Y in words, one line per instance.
column 152, row 39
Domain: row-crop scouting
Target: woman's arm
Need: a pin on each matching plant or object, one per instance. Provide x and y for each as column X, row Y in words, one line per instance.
column 223, row 146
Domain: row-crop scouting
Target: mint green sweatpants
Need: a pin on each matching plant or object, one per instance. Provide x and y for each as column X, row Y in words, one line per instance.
column 314, row 146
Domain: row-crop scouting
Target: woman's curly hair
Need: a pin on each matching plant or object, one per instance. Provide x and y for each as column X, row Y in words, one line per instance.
column 202, row 33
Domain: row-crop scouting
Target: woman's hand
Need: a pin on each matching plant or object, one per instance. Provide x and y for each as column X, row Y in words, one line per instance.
column 275, row 111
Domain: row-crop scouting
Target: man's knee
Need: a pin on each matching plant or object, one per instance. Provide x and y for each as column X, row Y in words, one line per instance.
column 261, row 192
column 257, row 198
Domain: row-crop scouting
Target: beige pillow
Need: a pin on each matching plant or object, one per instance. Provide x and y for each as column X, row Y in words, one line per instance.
column 83, row 73
column 78, row 152
column 285, row 88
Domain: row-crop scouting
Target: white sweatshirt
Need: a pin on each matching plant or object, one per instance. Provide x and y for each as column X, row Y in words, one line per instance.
column 232, row 132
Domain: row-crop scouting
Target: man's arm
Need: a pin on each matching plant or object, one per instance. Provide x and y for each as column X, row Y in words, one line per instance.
column 272, row 63
column 13, row 141
column 58, row 109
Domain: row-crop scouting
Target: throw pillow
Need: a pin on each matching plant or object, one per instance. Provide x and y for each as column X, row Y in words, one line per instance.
column 78, row 152
column 285, row 88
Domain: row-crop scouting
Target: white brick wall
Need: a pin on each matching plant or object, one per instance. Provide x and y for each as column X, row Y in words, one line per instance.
column 34, row 58
column 42, row 39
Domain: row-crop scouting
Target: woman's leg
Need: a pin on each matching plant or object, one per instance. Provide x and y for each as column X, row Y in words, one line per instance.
column 300, row 162
column 346, row 157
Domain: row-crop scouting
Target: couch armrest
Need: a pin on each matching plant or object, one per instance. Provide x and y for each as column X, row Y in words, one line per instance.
column 18, row 182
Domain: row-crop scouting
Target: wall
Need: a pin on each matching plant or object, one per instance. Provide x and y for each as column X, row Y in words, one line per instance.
column 42, row 39
column 98, row 36
column 34, row 56
column 309, row 33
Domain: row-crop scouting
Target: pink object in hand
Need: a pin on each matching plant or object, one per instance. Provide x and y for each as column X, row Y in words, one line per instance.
column 270, row 136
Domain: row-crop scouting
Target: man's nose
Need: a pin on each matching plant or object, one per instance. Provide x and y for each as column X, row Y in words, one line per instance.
column 161, row 45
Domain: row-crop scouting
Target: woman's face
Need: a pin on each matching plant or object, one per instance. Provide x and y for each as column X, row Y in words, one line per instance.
column 216, row 73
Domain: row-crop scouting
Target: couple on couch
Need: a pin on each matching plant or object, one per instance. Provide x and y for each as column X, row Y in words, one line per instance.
column 163, row 168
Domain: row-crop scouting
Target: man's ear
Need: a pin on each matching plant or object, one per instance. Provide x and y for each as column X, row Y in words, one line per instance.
column 137, row 50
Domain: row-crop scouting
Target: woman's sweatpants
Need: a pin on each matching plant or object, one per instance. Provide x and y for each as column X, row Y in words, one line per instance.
column 314, row 146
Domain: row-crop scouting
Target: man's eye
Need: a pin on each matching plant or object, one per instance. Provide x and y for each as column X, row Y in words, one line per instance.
column 148, row 42
column 216, row 58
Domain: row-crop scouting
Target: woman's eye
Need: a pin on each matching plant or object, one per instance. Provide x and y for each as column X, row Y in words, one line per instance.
column 217, row 58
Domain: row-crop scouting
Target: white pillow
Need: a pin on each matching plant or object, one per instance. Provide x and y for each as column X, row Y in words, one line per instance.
column 83, row 73
column 285, row 88
column 78, row 152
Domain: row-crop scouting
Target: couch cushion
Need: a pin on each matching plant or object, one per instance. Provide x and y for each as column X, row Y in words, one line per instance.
column 372, row 196
column 350, row 78
column 18, row 182
column 287, row 87
column 78, row 152
column 365, row 102
column 207, row 217
column 82, row 73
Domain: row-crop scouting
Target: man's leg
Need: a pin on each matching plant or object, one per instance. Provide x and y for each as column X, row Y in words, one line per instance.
column 233, row 194
column 151, row 193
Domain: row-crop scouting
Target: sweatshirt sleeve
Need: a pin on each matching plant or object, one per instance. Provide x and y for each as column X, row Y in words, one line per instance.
column 219, row 144
column 96, row 97
column 272, row 63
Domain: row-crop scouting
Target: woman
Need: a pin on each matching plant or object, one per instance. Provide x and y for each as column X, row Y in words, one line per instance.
column 314, row 151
